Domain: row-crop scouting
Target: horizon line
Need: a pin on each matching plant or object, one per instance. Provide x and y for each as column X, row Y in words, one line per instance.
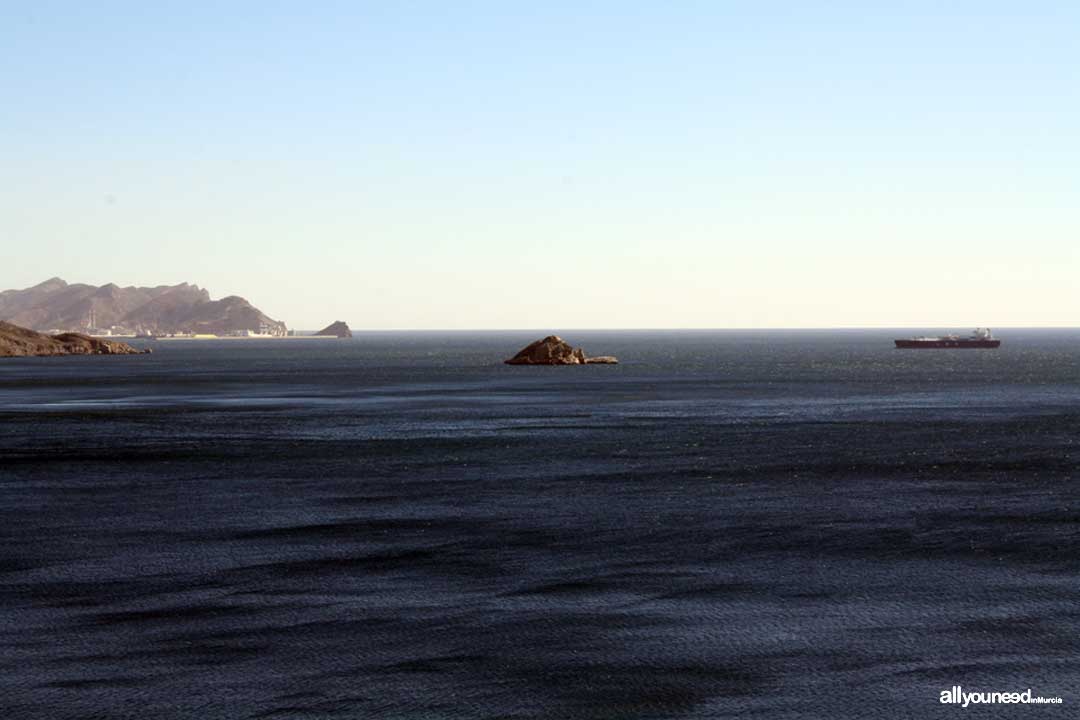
column 703, row 328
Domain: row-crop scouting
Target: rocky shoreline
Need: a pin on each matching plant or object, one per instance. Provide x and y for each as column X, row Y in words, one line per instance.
column 17, row 341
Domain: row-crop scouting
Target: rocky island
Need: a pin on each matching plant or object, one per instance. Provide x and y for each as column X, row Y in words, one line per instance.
column 553, row 350
column 17, row 341
column 337, row 329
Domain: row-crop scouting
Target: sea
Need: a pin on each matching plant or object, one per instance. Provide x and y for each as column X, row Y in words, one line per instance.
column 728, row 524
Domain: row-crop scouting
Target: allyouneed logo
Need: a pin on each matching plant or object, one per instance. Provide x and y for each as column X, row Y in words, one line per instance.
column 956, row 696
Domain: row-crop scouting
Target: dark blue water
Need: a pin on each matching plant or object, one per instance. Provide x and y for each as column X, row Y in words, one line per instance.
column 728, row 524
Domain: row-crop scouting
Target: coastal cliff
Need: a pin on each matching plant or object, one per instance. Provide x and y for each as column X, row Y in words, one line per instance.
column 17, row 341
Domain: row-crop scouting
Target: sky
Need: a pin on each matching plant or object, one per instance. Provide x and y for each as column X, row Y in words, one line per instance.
column 555, row 165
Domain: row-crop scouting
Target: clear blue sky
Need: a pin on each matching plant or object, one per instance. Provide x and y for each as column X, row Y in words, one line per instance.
column 552, row 165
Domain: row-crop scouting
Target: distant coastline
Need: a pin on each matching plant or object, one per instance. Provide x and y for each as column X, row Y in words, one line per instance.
column 174, row 338
column 56, row 306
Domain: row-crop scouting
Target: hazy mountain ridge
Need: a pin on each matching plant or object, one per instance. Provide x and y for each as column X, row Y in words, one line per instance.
column 184, row 308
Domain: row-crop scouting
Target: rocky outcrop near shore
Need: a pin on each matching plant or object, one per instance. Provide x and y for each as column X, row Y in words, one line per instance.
column 17, row 341
column 553, row 350
column 337, row 329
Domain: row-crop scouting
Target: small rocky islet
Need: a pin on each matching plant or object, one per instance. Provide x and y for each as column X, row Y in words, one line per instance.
column 553, row 350
column 338, row 329
column 18, row 341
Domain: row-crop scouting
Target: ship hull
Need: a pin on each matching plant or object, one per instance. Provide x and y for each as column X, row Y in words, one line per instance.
column 943, row 344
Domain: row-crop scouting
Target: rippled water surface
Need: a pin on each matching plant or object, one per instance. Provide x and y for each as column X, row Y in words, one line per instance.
column 728, row 524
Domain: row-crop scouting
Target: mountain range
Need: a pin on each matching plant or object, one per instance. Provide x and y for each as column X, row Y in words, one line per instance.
column 58, row 306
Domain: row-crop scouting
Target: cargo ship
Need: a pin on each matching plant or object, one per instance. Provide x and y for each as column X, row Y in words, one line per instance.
column 981, row 338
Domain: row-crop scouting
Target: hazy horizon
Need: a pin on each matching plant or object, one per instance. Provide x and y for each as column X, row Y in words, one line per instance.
column 573, row 166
